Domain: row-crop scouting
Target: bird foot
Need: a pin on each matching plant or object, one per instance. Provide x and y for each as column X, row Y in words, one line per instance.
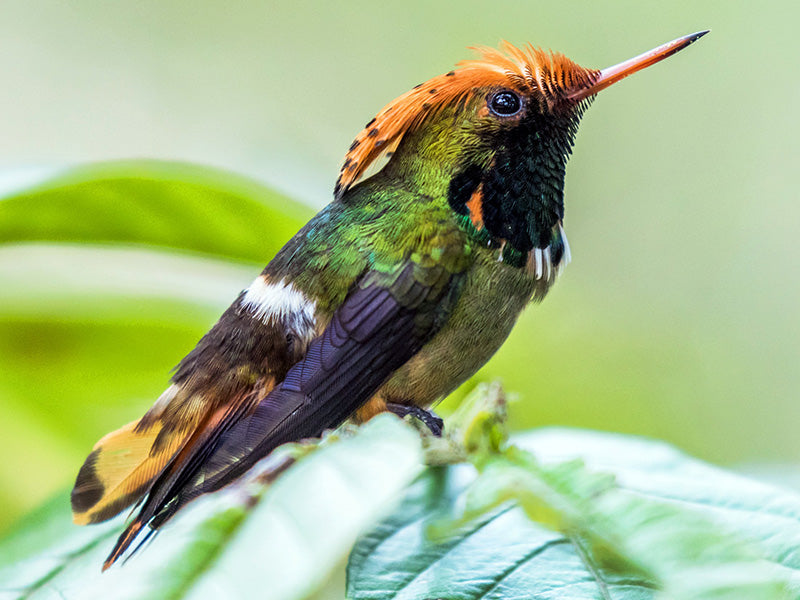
column 429, row 418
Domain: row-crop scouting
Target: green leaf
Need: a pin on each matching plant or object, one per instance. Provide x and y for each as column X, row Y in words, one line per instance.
column 593, row 516
column 703, row 532
column 87, row 340
column 242, row 542
column 89, row 332
column 173, row 205
column 94, row 283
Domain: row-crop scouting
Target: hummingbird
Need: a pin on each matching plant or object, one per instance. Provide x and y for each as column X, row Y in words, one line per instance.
column 447, row 221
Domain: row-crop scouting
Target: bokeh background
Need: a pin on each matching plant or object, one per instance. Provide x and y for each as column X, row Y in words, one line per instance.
column 677, row 319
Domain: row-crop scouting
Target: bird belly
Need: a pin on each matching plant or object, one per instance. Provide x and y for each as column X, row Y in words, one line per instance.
column 493, row 296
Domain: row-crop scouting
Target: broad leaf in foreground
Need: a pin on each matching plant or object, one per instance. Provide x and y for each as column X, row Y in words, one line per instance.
column 173, row 205
column 243, row 542
column 594, row 515
column 96, row 305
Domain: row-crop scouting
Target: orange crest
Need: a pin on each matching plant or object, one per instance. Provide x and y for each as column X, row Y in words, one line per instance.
column 529, row 70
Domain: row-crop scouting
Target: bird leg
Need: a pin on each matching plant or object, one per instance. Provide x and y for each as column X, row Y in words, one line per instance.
column 429, row 418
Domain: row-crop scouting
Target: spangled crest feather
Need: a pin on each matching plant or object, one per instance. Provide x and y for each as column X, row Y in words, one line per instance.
column 528, row 70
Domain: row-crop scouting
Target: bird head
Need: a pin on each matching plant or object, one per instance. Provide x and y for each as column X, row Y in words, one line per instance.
column 493, row 136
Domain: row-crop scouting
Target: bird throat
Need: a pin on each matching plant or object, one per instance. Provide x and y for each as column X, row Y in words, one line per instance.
column 516, row 200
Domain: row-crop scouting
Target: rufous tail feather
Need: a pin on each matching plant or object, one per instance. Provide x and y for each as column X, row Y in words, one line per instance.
column 119, row 471
column 131, row 531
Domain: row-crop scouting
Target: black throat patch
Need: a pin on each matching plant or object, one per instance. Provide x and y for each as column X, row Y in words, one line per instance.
column 520, row 195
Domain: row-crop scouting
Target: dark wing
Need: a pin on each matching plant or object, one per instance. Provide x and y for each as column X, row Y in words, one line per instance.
column 232, row 367
column 383, row 322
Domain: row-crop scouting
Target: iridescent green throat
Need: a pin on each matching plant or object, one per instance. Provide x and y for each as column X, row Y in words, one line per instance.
column 520, row 192
column 504, row 181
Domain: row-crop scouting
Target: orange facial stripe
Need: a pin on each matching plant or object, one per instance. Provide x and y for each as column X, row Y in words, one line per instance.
column 475, row 206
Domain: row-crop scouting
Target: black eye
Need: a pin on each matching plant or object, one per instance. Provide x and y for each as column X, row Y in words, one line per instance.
column 505, row 103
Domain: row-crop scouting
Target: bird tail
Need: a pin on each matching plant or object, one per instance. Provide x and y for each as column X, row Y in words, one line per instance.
column 130, row 533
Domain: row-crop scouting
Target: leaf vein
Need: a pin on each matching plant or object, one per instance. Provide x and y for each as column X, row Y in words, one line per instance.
column 68, row 559
column 453, row 546
column 527, row 558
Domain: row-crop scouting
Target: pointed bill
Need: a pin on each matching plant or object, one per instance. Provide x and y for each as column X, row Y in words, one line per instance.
column 611, row 75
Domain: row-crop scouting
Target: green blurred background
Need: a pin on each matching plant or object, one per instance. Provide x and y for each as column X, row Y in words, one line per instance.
column 677, row 319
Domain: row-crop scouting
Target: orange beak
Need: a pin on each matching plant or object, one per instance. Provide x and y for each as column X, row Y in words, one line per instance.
column 611, row 75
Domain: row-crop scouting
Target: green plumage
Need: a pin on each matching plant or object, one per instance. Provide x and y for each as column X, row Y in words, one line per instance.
column 406, row 212
column 388, row 299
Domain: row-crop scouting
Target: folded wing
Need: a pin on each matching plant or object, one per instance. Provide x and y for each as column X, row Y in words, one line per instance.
column 382, row 323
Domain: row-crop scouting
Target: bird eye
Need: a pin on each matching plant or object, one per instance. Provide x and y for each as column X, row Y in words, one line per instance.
column 505, row 103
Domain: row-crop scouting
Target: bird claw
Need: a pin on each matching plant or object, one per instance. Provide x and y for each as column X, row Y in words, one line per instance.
column 434, row 423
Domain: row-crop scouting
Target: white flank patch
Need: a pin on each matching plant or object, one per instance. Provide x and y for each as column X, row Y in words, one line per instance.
column 540, row 260
column 567, row 254
column 280, row 302
column 547, row 263
column 537, row 257
column 539, row 264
